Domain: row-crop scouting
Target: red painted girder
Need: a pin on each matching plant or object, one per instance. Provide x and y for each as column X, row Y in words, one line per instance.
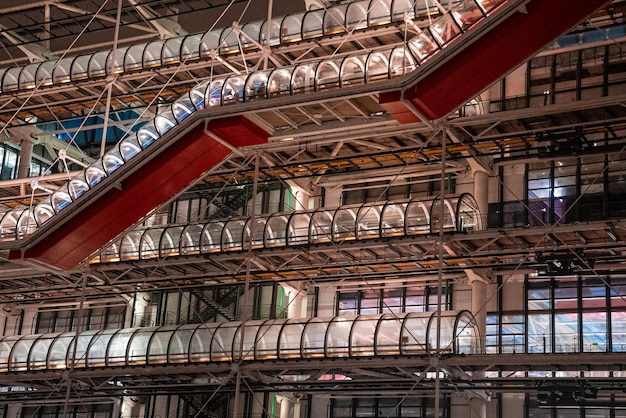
column 151, row 185
column 488, row 58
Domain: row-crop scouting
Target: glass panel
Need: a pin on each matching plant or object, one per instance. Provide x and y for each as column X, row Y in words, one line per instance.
column 112, row 160
column 303, row 79
column 312, row 24
column 129, row 247
column 489, row 5
column 321, row 224
column 256, row 85
column 400, row 8
column 618, row 331
column 94, row 174
column 19, row 353
column 446, row 340
column 368, row 223
column 539, row 326
column 388, row 335
column 222, row 346
column 97, row 64
column 402, row 62
column 413, row 337
column 249, row 338
column 197, row 95
column 380, row 12
column 129, row 147
column 165, row 121
column 252, row 30
column 291, row 28
column 232, row 238
column 338, row 337
column 190, row 240
column 392, row 219
column 60, row 199
column 467, row 13
column 232, row 91
column 423, row 46
column 353, row 70
column 448, row 223
column 362, row 339
column 118, row 60
column 80, row 67
column 171, row 50
column 133, row 57
column 8, row 225
column 149, row 246
column 229, row 42
column 267, row 341
column 61, row 72
column 44, row 73
column 27, row 76
column 214, row 92
column 469, row 217
column 170, row 241
column 157, row 351
column 139, row 346
column 26, row 224
column 417, row 218
column 274, row 31
column 43, row 212
column 147, row 135
column 298, row 232
column 313, row 338
column 256, row 234
column 58, row 351
column 183, row 108
column 84, row 341
column 180, row 342
column 152, row 54
column 190, row 48
column 290, row 337
column 77, row 187
column 327, row 74
column 445, row 29
column 334, row 20
column 356, row 15
column 344, row 223
column 276, row 230
column 119, row 346
column 210, row 42
column 200, row 345
column 39, row 352
column 211, row 239
column 377, row 67
column 97, row 350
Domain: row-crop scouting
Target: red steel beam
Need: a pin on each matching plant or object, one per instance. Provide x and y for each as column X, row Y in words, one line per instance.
column 487, row 59
column 151, row 185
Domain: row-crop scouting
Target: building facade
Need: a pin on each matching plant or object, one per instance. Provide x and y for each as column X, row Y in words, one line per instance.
column 380, row 208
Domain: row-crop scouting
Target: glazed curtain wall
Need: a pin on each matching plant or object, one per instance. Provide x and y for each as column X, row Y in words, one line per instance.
column 352, row 222
column 565, row 315
column 360, row 68
column 365, row 335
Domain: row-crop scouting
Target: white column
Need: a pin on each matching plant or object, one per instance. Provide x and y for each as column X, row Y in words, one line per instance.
column 26, row 154
column 481, row 194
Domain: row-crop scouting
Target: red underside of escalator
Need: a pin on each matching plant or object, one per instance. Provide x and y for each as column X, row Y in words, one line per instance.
column 151, row 185
column 487, row 59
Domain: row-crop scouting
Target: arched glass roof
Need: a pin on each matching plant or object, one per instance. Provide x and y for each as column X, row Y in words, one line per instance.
column 304, row 338
column 353, row 222
column 328, row 73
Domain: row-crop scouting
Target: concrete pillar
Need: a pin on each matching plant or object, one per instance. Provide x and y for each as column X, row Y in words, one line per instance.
column 481, row 194
column 26, row 154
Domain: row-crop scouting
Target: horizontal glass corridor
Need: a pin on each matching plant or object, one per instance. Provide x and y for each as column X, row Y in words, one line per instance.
column 352, row 222
column 305, row 338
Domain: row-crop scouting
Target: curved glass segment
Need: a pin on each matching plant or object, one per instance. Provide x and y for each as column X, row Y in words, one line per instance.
column 329, row 73
column 342, row 336
column 350, row 222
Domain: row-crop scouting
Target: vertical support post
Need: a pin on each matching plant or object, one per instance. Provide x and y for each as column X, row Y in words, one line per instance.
column 26, row 153
column 442, row 190
column 246, row 290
